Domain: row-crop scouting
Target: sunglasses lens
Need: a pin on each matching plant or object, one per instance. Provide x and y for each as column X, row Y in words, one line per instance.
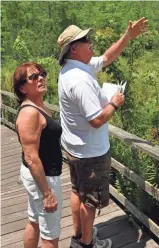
column 85, row 39
column 33, row 76
column 43, row 74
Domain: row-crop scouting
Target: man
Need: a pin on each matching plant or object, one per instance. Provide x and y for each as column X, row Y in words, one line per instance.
column 84, row 111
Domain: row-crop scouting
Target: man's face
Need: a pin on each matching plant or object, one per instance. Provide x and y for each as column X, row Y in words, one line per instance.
column 84, row 49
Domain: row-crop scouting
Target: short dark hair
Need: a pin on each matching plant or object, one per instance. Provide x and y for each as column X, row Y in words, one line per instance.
column 20, row 78
column 65, row 57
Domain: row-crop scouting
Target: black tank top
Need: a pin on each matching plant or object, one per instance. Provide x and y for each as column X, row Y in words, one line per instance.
column 49, row 148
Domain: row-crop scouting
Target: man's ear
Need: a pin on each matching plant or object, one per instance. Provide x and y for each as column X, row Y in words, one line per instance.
column 73, row 48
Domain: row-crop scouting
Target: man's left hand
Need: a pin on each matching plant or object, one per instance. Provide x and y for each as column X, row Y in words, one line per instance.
column 136, row 28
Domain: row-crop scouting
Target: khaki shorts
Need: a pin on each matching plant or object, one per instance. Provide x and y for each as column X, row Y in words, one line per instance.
column 90, row 178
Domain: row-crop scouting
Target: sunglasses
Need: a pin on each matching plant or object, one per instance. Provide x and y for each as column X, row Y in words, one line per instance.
column 35, row 76
column 84, row 39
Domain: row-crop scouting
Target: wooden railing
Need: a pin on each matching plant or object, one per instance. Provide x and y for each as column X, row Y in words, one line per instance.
column 130, row 139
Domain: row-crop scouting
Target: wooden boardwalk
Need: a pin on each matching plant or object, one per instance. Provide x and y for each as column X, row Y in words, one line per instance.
column 113, row 222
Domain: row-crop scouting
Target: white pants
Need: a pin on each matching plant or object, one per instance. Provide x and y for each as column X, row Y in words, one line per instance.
column 49, row 223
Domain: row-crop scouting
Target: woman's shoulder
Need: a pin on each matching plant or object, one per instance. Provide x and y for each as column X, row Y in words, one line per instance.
column 27, row 114
column 28, row 109
column 27, row 118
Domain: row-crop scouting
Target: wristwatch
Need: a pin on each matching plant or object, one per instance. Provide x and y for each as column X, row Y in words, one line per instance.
column 114, row 105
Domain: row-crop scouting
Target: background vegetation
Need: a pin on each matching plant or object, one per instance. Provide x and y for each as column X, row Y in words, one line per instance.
column 29, row 33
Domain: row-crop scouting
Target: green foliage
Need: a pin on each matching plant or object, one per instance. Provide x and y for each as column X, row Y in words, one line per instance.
column 104, row 38
column 52, row 67
column 7, row 75
column 22, row 52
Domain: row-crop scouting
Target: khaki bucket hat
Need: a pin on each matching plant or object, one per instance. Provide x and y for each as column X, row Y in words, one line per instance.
column 70, row 34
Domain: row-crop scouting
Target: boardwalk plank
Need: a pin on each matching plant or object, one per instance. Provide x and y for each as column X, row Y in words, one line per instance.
column 11, row 163
column 9, row 140
column 5, row 176
column 15, row 245
column 15, row 157
column 11, row 188
column 14, row 201
column 10, row 152
column 9, row 181
column 64, row 243
column 10, row 146
column 116, row 228
column 126, row 237
column 12, row 238
column 7, row 156
column 145, row 242
column 8, row 169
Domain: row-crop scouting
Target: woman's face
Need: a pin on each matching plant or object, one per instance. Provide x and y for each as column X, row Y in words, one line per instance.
column 36, row 83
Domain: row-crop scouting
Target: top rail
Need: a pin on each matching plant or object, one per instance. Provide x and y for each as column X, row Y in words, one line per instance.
column 135, row 141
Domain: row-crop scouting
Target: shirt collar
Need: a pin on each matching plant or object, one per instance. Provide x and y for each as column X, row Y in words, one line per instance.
column 79, row 64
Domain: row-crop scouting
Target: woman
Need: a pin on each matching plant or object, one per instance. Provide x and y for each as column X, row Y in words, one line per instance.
column 39, row 135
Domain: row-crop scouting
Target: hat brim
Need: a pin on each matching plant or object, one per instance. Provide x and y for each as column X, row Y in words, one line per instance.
column 79, row 36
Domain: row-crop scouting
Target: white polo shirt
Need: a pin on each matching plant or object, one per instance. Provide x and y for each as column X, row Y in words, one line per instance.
column 81, row 99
